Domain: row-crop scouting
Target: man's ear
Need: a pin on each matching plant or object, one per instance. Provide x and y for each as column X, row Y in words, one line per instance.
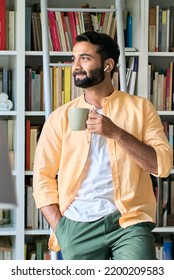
column 109, row 65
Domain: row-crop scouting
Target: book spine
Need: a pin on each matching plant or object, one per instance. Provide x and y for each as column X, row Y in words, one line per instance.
column 53, row 31
column 2, row 24
column 72, row 26
column 157, row 29
column 28, row 28
column 129, row 31
column 10, row 30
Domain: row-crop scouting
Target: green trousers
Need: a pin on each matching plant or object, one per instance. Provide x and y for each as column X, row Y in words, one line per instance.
column 104, row 239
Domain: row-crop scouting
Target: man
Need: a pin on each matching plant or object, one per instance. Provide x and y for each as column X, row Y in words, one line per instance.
column 103, row 205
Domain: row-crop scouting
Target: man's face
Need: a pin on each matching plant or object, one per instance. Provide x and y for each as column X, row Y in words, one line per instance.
column 87, row 69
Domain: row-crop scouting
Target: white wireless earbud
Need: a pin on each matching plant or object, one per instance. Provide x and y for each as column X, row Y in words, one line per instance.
column 107, row 66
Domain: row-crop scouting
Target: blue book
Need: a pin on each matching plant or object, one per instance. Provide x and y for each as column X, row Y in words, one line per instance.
column 129, row 32
column 167, row 248
column 59, row 256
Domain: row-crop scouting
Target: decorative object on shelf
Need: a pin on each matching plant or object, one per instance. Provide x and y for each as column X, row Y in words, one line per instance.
column 7, row 190
column 5, row 103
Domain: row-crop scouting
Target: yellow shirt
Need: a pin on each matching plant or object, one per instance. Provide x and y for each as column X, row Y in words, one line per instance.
column 65, row 152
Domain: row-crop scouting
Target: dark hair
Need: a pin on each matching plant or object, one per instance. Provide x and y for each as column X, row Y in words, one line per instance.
column 106, row 46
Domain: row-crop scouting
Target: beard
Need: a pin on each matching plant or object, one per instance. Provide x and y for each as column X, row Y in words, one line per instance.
column 95, row 77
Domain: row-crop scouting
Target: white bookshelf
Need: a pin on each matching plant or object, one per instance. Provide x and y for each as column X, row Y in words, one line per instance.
column 18, row 59
column 161, row 61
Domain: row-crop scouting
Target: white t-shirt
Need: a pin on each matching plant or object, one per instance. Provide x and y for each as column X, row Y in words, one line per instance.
column 95, row 197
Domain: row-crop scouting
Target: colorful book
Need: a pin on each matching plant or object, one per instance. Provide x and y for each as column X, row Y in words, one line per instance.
column 61, row 31
column 53, row 31
column 152, row 29
column 3, row 25
column 167, row 248
column 27, row 145
column 72, row 27
column 67, row 84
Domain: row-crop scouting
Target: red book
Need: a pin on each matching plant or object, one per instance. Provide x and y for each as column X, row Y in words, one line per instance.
column 72, row 27
column 53, row 31
column 67, row 39
column 27, row 145
column 2, row 24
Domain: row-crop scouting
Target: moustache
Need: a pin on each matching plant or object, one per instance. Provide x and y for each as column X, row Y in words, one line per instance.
column 79, row 73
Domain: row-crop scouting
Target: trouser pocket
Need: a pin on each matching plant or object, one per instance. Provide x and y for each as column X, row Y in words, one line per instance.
column 59, row 229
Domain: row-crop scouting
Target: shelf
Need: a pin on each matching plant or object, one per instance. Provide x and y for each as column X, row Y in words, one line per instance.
column 7, row 230
column 28, row 173
column 8, row 113
column 34, row 113
column 164, row 229
column 37, row 232
column 162, row 54
column 8, row 53
column 88, row 10
column 166, row 113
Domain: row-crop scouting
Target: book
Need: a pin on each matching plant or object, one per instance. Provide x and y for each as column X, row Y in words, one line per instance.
column 3, row 25
column 129, row 31
column 81, row 22
column 35, row 91
column 67, row 84
column 11, row 128
column 72, row 27
column 36, row 27
column 77, row 23
column 10, row 30
column 113, row 29
column 69, row 35
column 169, row 93
column 167, row 248
column 172, row 198
column 28, row 28
column 160, row 92
column 61, row 31
column 29, row 206
column 55, row 82
column 157, row 29
column 34, row 136
column 159, row 251
column 133, row 65
column 27, row 145
column 33, row 38
column 171, row 28
column 38, row 31
column 167, row 27
column 164, row 30
column 159, row 212
column 109, row 20
column 59, row 78
column 65, row 30
column 152, row 29
column 160, row 30
column 165, row 195
column 39, row 250
column 87, row 18
column 53, row 31
column 102, row 20
column 155, row 89
column 28, row 71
